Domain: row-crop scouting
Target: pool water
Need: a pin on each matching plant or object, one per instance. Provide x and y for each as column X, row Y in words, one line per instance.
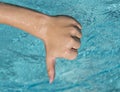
column 97, row 67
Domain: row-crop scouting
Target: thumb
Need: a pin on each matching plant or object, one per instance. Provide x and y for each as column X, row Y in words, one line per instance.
column 50, row 61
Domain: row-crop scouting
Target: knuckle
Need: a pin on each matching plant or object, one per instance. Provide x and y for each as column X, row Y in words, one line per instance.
column 80, row 35
column 73, row 31
column 71, row 40
column 73, row 56
column 80, row 32
column 78, row 45
column 76, row 32
column 70, row 55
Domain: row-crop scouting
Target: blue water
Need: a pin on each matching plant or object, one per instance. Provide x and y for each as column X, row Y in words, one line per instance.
column 97, row 67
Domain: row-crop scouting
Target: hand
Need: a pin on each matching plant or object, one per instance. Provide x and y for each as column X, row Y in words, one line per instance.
column 62, row 39
column 61, row 34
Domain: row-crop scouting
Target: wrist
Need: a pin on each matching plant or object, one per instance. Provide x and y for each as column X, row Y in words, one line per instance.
column 41, row 24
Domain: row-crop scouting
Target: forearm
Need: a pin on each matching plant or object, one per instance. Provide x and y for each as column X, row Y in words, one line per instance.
column 22, row 18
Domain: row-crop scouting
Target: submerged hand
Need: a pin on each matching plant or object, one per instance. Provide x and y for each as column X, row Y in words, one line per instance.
column 62, row 39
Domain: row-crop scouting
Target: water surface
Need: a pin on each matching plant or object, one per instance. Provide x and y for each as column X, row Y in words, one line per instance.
column 97, row 67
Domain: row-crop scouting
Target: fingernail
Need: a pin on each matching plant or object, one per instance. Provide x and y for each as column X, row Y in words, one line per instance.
column 51, row 80
column 51, row 76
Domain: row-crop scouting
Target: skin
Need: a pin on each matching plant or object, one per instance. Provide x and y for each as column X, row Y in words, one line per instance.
column 61, row 34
